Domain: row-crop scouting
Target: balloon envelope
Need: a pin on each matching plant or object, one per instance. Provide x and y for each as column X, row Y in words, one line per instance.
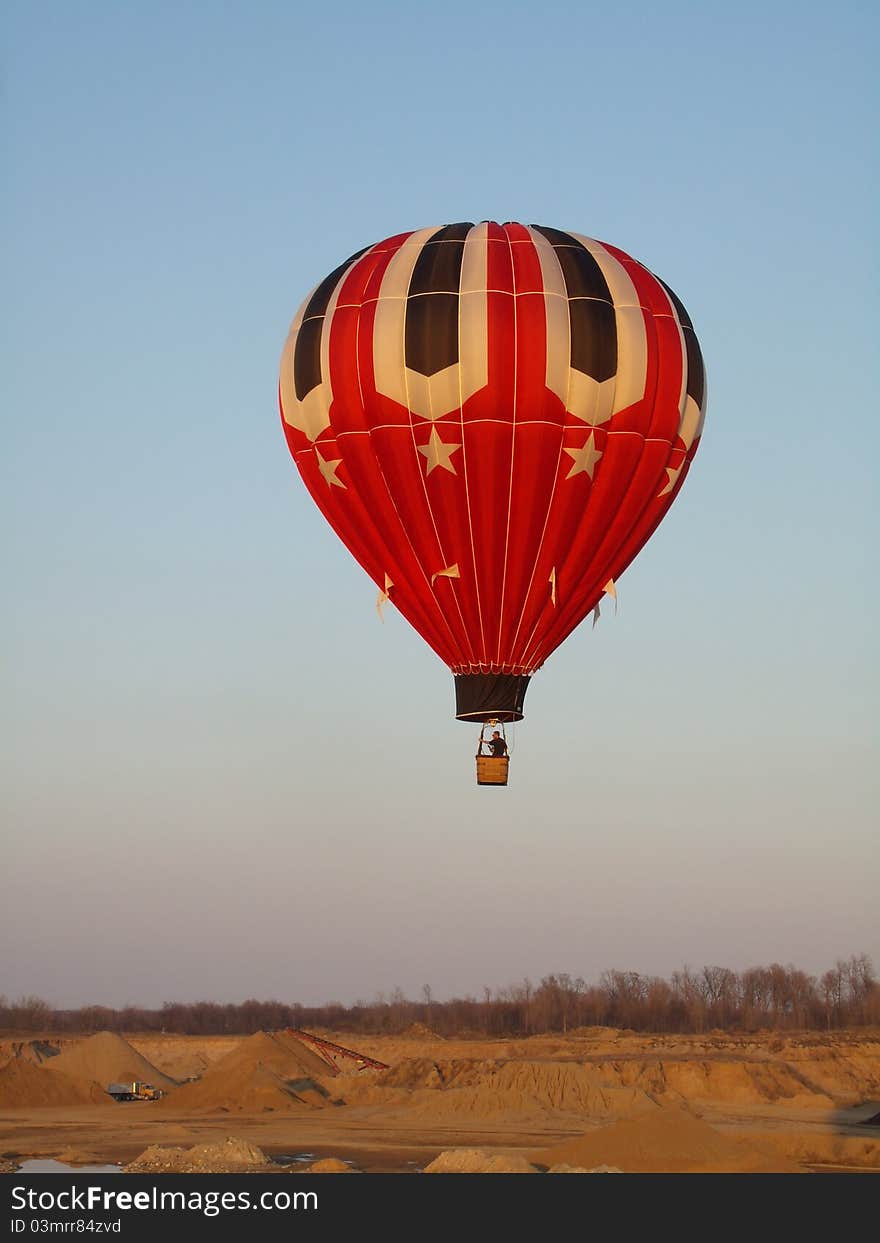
column 494, row 419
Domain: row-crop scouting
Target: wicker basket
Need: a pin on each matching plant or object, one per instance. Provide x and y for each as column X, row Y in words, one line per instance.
column 492, row 770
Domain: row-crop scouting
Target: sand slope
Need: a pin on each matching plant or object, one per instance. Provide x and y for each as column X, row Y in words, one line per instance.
column 487, row 1090
column 666, row 1139
column 267, row 1071
column 598, row 1088
column 477, row 1161
column 107, row 1058
column 24, row 1084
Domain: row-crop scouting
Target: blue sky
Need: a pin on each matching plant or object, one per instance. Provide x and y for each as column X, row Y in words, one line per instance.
column 224, row 777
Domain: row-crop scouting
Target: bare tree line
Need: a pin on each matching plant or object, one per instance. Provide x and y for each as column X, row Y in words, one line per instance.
column 692, row 1001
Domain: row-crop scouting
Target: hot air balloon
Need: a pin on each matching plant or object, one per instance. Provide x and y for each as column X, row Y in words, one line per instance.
column 493, row 419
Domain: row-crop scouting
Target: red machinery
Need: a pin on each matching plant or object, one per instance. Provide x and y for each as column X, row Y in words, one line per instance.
column 330, row 1052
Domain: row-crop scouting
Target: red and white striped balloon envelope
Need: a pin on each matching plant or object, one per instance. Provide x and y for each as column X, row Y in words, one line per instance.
column 493, row 419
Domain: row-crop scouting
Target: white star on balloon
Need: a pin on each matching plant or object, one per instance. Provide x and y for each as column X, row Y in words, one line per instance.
column 438, row 453
column 673, row 472
column 329, row 469
column 584, row 459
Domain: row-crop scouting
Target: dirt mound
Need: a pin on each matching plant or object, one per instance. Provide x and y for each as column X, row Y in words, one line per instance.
column 107, row 1058
column 246, row 1089
column 476, row 1161
column 24, row 1085
column 279, row 1051
column 329, row 1165
column 664, row 1141
column 268, row 1071
column 231, row 1155
column 485, row 1089
column 418, row 1031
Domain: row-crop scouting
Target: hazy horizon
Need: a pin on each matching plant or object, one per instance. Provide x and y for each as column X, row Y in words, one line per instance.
column 380, row 998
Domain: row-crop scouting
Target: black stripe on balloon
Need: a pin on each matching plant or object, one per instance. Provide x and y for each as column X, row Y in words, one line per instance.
column 696, row 383
column 320, row 298
column 683, row 318
column 590, row 306
column 307, row 352
column 593, row 338
column 696, row 375
column 307, row 357
column 432, row 304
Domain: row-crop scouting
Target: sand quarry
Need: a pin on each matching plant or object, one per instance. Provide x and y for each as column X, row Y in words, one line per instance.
column 596, row 1100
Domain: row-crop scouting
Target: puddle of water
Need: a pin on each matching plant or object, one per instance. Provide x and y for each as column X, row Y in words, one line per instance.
column 302, row 1158
column 41, row 1165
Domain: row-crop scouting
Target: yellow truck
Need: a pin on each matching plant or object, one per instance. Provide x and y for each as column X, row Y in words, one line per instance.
column 134, row 1091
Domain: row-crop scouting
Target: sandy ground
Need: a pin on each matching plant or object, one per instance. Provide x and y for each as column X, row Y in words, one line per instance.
column 615, row 1098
